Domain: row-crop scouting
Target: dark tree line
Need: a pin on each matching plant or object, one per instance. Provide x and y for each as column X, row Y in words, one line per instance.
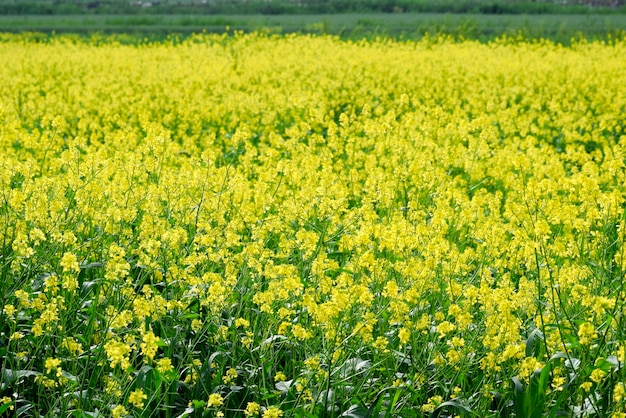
column 60, row 7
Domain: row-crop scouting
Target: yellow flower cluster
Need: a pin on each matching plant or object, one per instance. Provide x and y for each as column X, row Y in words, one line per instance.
column 437, row 208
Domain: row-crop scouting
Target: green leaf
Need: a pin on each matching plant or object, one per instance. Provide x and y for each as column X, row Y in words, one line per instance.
column 284, row 386
column 186, row 412
column 169, row 376
column 555, row 411
column 9, row 376
column 518, row 402
column 393, row 403
column 197, row 404
column 92, row 265
column 558, row 355
column 355, row 411
column 533, row 343
column 544, row 379
column 374, row 410
column 23, row 409
column 148, row 378
column 84, row 414
column 273, row 339
column 5, row 407
column 462, row 409
column 529, row 401
column 300, row 412
column 605, row 365
column 69, row 376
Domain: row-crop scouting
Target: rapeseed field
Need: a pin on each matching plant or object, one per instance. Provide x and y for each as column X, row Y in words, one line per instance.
column 249, row 225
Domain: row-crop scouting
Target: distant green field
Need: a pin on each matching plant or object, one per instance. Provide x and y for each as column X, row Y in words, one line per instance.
column 560, row 28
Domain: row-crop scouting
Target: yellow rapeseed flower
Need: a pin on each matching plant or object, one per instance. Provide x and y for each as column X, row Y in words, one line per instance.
column 117, row 353
column 215, row 400
column 252, row 409
column 137, row 397
column 149, row 345
column 619, row 392
column 164, row 365
column 119, row 411
column 272, row 412
column 69, row 263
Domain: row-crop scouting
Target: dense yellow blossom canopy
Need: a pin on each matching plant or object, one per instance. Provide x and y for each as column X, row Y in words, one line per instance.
column 431, row 223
